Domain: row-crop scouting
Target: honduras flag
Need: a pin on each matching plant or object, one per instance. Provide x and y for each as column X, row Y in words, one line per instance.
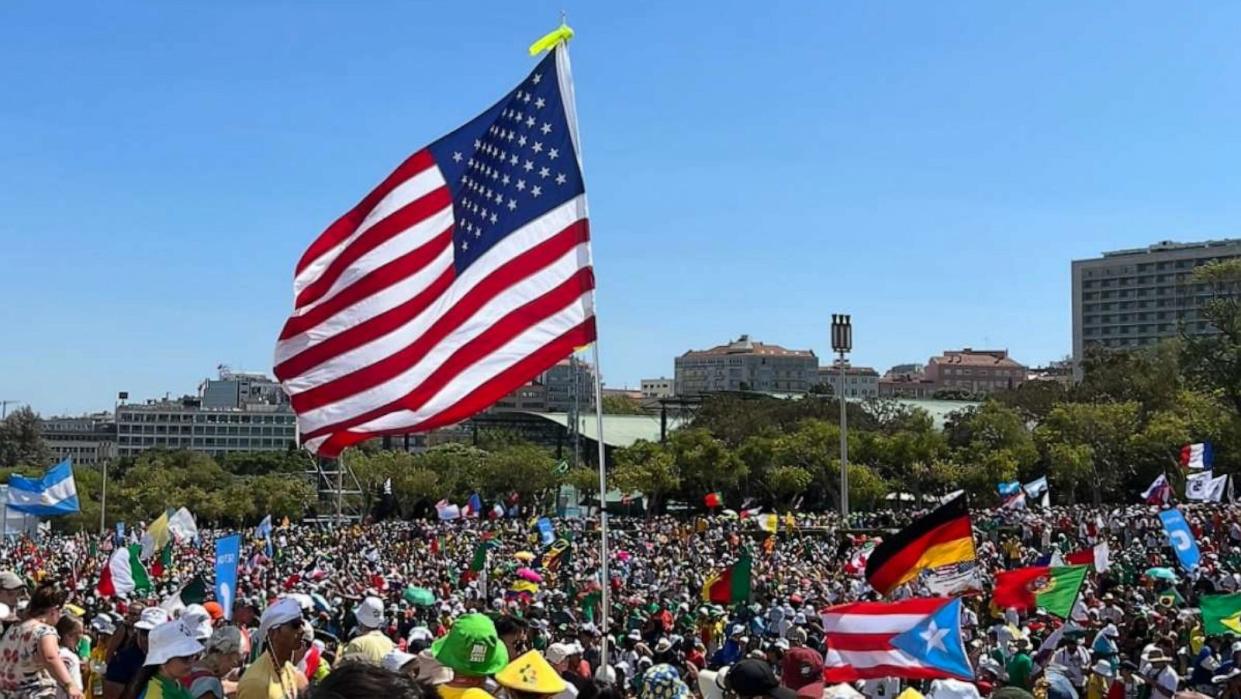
column 50, row 496
column 1007, row 489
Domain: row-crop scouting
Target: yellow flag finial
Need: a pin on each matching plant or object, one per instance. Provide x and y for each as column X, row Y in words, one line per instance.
column 562, row 33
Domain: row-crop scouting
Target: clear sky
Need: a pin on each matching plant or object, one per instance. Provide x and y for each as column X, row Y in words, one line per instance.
column 930, row 168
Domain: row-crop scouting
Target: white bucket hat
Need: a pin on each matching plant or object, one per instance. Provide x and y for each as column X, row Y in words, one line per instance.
column 282, row 611
column 171, row 640
column 150, row 618
column 370, row 613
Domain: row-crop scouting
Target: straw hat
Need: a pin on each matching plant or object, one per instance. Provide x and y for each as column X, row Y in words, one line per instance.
column 531, row 674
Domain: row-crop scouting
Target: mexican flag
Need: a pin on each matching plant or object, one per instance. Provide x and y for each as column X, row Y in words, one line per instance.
column 192, row 592
column 1052, row 588
column 124, row 573
column 163, row 563
column 729, row 585
column 1221, row 614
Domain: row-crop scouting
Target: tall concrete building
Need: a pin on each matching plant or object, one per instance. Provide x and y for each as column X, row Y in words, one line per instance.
column 745, row 365
column 1133, row 298
column 88, row 440
column 235, row 412
column 658, row 388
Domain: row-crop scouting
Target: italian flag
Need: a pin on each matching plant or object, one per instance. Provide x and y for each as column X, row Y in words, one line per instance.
column 1052, row 588
column 729, row 585
column 124, row 573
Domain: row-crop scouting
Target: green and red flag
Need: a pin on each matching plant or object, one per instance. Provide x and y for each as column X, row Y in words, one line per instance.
column 713, row 500
column 729, row 585
column 1053, row 589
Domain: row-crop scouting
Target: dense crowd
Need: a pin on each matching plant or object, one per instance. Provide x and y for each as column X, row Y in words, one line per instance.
column 405, row 609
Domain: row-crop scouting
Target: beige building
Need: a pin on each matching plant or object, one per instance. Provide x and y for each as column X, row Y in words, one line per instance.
column 88, row 440
column 658, row 388
column 1133, row 298
column 859, row 381
column 975, row 371
column 745, row 365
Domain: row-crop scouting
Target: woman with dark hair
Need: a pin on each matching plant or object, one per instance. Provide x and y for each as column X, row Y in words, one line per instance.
column 354, row 680
column 30, row 664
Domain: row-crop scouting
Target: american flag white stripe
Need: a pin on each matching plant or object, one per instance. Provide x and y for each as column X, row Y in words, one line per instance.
column 448, row 285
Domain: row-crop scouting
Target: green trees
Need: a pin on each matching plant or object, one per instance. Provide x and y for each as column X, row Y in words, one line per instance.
column 1213, row 362
column 646, row 467
column 21, row 441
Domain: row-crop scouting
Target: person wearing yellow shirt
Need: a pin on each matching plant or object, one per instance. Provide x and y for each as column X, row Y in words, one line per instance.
column 370, row 645
column 273, row 675
column 473, row 651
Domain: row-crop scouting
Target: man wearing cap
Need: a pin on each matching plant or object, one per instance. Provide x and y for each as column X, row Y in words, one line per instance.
column 558, row 655
column 754, row 678
column 273, row 676
column 802, row 667
column 473, row 651
column 370, row 645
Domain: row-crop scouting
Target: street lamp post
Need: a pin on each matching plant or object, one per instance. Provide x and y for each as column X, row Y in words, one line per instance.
column 842, row 343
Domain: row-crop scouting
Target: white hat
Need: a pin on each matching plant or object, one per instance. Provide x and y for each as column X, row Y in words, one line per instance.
column 1111, row 631
column 663, row 645
column 150, row 618
column 1103, row 668
column 558, row 653
column 605, row 675
column 170, row 640
column 102, row 623
column 282, row 611
column 370, row 613
column 395, row 660
column 421, row 633
column 198, row 621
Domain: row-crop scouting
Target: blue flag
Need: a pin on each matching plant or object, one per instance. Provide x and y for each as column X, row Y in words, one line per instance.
column 227, row 551
column 1182, row 538
column 1007, row 489
column 120, row 534
column 546, row 534
column 263, row 531
column 52, row 495
column 936, row 641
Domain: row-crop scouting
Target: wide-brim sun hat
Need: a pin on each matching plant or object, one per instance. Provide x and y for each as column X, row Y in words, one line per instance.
column 662, row 682
column 531, row 674
column 170, row 640
column 150, row 618
column 472, row 647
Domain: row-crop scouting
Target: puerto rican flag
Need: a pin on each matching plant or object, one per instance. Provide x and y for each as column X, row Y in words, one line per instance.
column 1197, row 457
column 913, row 639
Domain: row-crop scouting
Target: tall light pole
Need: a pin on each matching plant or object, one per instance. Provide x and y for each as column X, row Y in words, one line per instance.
column 842, row 343
column 121, row 397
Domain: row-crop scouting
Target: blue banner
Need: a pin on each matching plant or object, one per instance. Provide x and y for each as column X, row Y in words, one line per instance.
column 1182, row 538
column 546, row 534
column 227, row 550
column 119, row 540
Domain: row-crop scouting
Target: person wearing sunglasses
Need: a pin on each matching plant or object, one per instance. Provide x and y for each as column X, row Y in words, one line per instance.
column 172, row 651
column 273, row 675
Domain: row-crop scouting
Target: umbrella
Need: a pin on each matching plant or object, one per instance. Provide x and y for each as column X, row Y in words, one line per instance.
column 529, row 574
column 1161, row 574
column 524, row 556
column 623, row 555
column 420, row 596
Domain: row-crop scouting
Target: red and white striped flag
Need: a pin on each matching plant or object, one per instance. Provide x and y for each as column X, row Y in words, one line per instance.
column 463, row 275
column 914, row 639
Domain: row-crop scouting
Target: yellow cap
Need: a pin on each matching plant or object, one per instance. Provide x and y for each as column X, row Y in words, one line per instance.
column 532, row 674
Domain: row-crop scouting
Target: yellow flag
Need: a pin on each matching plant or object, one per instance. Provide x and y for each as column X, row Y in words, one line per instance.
column 549, row 40
column 769, row 523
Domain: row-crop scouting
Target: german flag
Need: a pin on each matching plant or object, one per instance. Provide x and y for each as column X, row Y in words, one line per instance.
column 940, row 538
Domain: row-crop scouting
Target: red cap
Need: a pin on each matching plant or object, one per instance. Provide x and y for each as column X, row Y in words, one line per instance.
column 215, row 610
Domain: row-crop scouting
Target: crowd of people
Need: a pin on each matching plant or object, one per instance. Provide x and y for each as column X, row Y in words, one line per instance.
column 470, row 608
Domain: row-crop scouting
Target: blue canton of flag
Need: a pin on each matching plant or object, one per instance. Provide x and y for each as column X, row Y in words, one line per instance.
column 54, row 494
column 510, row 165
column 1181, row 538
column 936, row 641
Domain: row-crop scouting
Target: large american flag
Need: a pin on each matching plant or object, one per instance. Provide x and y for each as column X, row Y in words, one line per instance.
column 462, row 276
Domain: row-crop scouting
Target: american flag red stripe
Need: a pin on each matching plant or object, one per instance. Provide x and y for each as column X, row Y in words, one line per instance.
column 463, row 275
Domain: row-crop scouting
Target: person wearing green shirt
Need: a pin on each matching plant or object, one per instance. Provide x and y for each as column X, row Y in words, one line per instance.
column 1020, row 666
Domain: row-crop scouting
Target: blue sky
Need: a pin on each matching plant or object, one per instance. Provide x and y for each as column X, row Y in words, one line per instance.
column 930, row 168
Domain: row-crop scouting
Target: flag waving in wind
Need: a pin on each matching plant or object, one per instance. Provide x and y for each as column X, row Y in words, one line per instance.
column 54, row 494
column 463, row 275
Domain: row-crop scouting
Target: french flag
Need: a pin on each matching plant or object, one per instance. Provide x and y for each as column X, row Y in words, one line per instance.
column 1197, row 457
column 473, row 506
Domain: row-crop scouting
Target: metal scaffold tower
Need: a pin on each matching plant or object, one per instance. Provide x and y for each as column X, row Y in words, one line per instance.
column 340, row 493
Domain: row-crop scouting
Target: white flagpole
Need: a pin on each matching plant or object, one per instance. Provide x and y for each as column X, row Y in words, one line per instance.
column 565, row 76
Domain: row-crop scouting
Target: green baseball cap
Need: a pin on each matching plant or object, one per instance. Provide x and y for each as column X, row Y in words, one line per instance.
column 472, row 647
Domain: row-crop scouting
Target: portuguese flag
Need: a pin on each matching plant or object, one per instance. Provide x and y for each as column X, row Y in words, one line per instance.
column 1221, row 614
column 729, row 585
column 940, row 538
column 1053, row 589
column 713, row 500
